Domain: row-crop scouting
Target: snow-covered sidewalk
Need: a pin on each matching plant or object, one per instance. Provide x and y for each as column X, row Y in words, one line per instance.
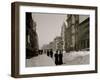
column 75, row 58
column 40, row 60
column 71, row 58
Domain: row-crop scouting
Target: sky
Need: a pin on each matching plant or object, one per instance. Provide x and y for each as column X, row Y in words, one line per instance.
column 82, row 18
column 48, row 26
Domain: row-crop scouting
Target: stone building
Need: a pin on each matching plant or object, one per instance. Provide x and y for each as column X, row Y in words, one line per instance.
column 52, row 45
column 63, row 35
column 83, row 35
column 75, row 32
column 49, row 46
column 58, row 43
column 70, row 32
column 31, row 36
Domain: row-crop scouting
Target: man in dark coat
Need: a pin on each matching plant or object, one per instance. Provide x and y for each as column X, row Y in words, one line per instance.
column 51, row 53
column 56, row 58
column 60, row 58
column 48, row 53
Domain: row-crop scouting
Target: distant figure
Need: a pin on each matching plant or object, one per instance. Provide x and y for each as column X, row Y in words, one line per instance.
column 41, row 51
column 56, row 58
column 51, row 53
column 48, row 53
column 60, row 58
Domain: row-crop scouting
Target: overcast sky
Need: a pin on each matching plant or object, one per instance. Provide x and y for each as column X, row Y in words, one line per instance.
column 48, row 26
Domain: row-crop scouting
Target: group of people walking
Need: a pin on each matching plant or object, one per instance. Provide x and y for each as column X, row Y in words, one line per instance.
column 57, row 56
column 50, row 53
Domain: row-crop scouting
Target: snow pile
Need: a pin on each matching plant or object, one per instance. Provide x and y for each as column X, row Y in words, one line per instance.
column 41, row 60
column 71, row 58
column 74, row 58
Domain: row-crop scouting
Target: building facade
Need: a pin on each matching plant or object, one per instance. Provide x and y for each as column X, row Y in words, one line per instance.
column 63, row 35
column 59, row 43
column 75, row 34
column 56, row 44
column 83, row 34
column 31, row 36
column 51, row 45
column 70, row 32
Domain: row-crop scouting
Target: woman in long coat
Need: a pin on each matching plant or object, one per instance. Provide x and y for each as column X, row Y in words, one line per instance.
column 56, row 58
column 60, row 58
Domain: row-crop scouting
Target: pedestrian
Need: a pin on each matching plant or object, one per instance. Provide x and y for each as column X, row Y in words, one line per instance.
column 47, row 52
column 60, row 57
column 51, row 53
column 56, row 58
column 41, row 51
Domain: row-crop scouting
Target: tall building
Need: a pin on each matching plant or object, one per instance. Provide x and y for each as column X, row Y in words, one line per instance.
column 31, row 36
column 51, row 45
column 56, row 44
column 75, row 32
column 63, row 35
column 83, row 35
column 71, row 32
column 59, row 43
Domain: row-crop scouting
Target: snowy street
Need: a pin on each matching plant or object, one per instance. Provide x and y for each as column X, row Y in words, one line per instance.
column 75, row 58
column 41, row 60
column 72, row 58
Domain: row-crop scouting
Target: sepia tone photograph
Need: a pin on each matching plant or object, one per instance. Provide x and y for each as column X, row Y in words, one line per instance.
column 57, row 39
column 53, row 39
